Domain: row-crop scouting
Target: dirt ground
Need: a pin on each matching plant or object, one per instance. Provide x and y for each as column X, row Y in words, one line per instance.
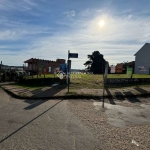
column 114, row 128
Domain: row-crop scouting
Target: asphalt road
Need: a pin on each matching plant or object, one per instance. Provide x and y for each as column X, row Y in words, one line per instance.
column 41, row 125
column 74, row 124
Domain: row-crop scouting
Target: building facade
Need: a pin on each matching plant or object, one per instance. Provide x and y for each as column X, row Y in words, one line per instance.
column 142, row 60
column 36, row 66
column 119, row 68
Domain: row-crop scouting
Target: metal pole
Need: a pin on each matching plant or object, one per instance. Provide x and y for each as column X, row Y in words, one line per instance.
column 53, row 75
column 32, row 68
column 132, row 71
column 68, row 70
column 0, row 71
column 0, row 67
column 104, row 85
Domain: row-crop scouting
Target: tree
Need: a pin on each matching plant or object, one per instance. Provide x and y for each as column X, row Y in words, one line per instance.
column 96, row 63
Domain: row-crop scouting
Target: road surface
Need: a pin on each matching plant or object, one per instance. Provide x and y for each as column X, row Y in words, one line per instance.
column 74, row 124
column 41, row 125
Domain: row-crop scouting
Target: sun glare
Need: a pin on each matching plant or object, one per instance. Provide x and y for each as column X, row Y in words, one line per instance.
column 101, row 23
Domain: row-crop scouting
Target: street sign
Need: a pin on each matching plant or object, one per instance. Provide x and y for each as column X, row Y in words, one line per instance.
column 73, row 55
column 63, row 67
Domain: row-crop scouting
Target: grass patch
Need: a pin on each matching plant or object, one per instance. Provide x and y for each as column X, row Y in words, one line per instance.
column 41, row 77
column 28, row 86
column 87, row 81
column 96, row 81
column 71, row 93
column 90, row 81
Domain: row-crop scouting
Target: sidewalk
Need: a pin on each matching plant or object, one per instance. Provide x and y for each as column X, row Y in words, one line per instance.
column 61, row 92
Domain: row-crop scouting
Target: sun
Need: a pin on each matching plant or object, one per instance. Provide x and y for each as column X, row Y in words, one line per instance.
column 101, row 23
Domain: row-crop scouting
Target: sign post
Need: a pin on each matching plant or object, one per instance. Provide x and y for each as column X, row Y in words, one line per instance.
column 0, row 67
column 70, row 55
column 105, row 80
column 0, row 70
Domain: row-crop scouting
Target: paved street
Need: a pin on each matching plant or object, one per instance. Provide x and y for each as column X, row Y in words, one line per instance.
column 47, row 125
column 74, row 124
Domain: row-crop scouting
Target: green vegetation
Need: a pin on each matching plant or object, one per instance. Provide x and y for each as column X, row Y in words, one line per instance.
column 96, row 81
column 96, row 63
column 89, row 81
column 86, row 81
column 88, row 76
column 42, row 76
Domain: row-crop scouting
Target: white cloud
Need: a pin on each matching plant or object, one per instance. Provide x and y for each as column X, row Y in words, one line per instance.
column 70, row 14
column 30, row 2
column 85, row 12
column 118, row 40
column 128, row 17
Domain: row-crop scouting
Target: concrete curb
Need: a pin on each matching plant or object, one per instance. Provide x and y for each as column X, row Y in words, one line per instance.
column 75, row 96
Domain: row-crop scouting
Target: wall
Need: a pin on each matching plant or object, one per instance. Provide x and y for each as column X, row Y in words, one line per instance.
column 143, row 59
column 45, row 65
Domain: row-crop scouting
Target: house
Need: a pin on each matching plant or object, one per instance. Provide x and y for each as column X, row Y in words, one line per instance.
column 142, row 60
column 36, row 66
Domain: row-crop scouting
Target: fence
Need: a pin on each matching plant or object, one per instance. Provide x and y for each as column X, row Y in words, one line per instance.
column 127, row 80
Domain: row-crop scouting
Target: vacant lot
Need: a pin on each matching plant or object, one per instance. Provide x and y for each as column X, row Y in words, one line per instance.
column 96, row 81
column 88, row 81
column 87, row 76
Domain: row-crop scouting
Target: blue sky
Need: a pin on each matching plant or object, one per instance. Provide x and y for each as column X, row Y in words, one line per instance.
column 47, row 29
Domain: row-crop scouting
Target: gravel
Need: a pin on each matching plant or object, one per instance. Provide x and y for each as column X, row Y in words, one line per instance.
column 134, row 137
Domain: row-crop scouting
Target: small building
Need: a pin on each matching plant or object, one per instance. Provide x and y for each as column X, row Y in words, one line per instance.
column 119, row 68
column 36, row 66
column 112, row 69
column 142, row 60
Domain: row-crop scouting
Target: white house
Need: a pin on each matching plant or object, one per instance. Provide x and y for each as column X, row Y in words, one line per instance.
column 142, row 60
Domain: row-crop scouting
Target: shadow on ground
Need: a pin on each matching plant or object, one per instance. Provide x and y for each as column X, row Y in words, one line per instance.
column 34, row 103
column 120, row 96
column 127, row 94
column 49, row 92
column 29, row 122
column 110, row 98
column 140, row 90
